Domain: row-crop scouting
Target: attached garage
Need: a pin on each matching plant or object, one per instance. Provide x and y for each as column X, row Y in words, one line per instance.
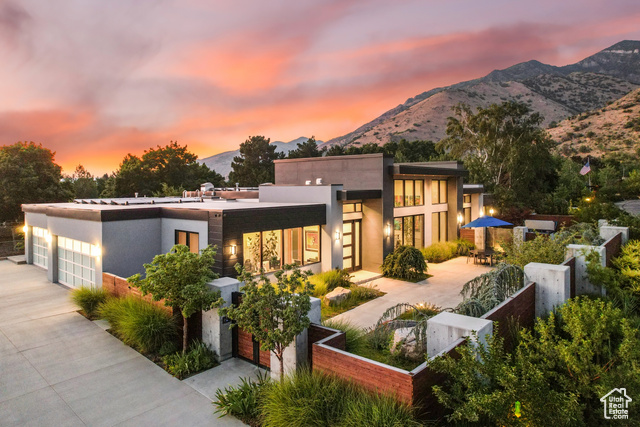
column 76, row 263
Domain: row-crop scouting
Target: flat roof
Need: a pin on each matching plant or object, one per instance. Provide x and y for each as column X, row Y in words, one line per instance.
column 426, row 169
column 193, row 210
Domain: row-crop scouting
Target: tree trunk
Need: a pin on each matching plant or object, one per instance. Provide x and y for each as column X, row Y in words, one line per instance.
column 185, row 334
column 281, row 360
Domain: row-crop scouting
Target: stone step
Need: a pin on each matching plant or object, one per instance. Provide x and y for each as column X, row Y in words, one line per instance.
column 18, row 259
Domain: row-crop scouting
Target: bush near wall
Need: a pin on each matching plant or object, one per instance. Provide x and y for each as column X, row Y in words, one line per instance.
column 405, row 263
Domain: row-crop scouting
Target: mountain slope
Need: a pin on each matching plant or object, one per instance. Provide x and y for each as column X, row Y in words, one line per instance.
column 555, row 92
column 612, row 129
column 221, row 163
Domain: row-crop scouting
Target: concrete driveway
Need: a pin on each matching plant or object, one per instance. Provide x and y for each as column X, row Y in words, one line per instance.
column 443, row 289
column 59, row 369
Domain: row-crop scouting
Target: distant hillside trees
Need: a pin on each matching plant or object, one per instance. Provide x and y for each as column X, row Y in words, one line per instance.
column 254, row 165
column 161, row 171
column 306, row 149
column 504, row 148
column 403, row 151
column 28, row 174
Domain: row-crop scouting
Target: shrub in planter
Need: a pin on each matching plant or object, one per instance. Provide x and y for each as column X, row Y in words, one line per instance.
column 440, row 251
column 244, row 400
column 327, row 281
column 406, row 263
column 198, row 358
column 89, row 299
column 139, row 323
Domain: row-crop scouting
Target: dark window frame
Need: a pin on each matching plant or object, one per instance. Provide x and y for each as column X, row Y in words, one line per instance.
column 404, row 192
column 436, row 183
column 188, row 233
column 401, row 219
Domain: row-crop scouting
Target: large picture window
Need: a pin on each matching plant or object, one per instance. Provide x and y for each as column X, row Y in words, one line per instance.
column 40, row 251
column 439, row 228
column 438, row 191
column 269, row 250
column 408, row 192
column 189, row 239
column 409, row 230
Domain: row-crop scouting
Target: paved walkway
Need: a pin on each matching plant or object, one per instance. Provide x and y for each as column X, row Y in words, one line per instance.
column 443, row 289
column 59, row 369
column 631, row 206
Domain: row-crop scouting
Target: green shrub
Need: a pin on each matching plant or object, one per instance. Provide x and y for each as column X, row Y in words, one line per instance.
column 354, row 335
column 440, row 251
column 243, row 401
column 139, row 323
column 198, row 358
column 89, row 299
column 379, row 411
column 325, row 282
column 405, row 263
column 313, row 399
column 464, row 246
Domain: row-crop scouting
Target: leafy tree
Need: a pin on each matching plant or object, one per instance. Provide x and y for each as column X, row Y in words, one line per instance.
column 83, row 183
column 503, row 148
column 255, row 164
column 571, row 185
column 306, row 149
column 336, row 150
column 411, row 151
column 28, row 174
column 558, row 372
column 180, row 277
column 172, row 165
column 273, row 313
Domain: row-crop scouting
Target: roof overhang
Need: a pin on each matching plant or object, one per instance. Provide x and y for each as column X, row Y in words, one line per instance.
column 409, row 169
column 359, row 194
column 472, row 189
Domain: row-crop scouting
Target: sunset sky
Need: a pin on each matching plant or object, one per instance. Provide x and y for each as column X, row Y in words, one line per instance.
column 95, row 79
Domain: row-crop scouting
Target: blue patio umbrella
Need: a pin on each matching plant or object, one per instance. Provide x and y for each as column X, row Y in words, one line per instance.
column 486, row 221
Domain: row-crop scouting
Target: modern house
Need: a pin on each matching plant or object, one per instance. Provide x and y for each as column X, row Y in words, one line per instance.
column 322, row 213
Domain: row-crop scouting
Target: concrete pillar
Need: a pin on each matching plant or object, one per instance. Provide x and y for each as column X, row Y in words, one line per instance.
column 445, row 328
column 519, row 235
column 28, row 244
column 553, row 285
column 609, row 231
column 216, row 332
column 52, row 258
column 296, row 355
column 583, row 285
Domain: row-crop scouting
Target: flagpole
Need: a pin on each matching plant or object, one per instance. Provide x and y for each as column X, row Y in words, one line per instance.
column 589, row 163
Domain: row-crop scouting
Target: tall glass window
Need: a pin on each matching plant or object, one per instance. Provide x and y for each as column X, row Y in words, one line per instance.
column 398, row 191
column 419, row 192
column 439, row 228
column 311, row 244
column 408, row 193
column 271, row 250
column 251, row 251
column 408, row 230
column 438, row 191
column 293, row 246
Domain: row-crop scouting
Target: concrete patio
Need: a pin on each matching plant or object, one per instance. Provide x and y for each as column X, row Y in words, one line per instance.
column 59, row 369
column 442, row 289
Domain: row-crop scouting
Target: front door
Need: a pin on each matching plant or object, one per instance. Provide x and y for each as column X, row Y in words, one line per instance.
column 351, row 245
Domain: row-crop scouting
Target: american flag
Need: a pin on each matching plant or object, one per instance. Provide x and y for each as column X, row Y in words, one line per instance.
column 585, row 169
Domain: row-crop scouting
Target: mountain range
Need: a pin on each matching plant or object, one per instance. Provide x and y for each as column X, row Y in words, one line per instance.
column 554, row 92
column 221, row 163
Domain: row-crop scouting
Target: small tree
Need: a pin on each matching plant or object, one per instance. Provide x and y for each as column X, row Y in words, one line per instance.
column 274, row 313
column 405, row 263
column 180, row 278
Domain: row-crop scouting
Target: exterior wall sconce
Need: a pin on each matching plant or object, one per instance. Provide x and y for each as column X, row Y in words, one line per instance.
column 234, row 249
column 96, row 251
column 387, row 230
column 460, row 218
column 491, row 211
column 337, row 235
column 25, row 228
column 47, row 237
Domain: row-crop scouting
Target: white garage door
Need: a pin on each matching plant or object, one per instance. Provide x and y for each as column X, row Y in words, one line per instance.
column 40, row 251
column 76, row 265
